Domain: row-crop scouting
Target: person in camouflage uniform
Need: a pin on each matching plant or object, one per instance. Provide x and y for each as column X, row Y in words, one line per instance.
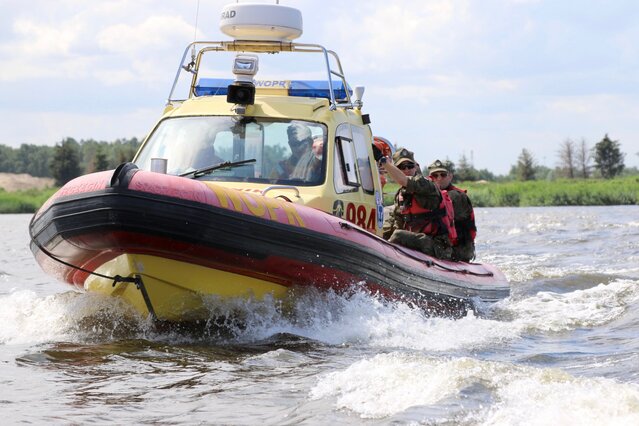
column 464, row 250
column 415, row 188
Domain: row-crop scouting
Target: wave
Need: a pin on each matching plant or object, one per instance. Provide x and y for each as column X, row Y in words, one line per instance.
column 326, row 317
column 389, row 384
column 555, row 312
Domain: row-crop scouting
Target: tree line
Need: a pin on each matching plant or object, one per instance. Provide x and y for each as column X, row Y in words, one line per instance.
column 574, row 161
column 68, row 158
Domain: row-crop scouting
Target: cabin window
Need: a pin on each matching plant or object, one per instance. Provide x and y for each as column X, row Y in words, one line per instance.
column 287, row 152
column 347, row 160
column 339, row 180
column 362, row 144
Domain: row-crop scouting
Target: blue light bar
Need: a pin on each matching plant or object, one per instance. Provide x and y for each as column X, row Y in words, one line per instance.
column 301, row 88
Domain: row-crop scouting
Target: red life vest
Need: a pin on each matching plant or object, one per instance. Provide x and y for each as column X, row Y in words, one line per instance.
column 465, row 229
column 440, row 221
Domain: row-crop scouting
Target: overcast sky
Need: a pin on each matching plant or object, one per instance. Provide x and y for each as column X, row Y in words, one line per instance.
column 445, row 78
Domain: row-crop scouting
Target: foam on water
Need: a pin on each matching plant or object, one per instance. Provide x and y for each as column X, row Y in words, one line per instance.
column 354, row 319
column 548, row 311
column 525, row 267
column 361, row 319
column 71, row 316
column 529, row 396
column 388, row 384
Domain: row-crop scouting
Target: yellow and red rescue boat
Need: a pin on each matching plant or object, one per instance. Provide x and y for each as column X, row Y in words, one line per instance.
column 246, row 188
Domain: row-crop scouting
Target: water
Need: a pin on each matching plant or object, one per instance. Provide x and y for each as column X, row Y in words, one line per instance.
column 563, row 349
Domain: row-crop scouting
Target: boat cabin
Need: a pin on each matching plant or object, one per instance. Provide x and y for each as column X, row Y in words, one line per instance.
column 302, row 140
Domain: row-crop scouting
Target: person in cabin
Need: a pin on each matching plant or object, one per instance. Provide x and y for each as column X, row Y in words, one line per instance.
column 464, row 249
column 204, row 147
column 300, row 142
column 309, row 166
column 422, row 217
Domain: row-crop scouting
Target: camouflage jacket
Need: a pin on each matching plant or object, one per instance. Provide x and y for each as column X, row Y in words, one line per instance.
column 424, row 192
column 461, row 204
column 465, row 250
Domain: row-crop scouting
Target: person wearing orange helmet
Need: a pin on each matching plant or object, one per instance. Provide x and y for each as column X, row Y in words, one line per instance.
column 382, row 148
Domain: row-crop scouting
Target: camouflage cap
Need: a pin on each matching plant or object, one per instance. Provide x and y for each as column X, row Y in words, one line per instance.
column 298, row 133
column 437, row 166
column 402, row 156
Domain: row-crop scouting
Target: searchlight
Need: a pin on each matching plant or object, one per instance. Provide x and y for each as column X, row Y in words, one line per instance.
column 242, row 91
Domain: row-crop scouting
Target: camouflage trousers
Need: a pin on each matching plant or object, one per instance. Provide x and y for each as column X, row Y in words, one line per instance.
column 438, row 246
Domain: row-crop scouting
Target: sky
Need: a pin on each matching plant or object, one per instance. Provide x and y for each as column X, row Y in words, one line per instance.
column 444, row 78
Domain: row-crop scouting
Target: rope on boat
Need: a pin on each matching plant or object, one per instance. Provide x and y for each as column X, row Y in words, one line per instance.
column 136, row 279
column 427, row 262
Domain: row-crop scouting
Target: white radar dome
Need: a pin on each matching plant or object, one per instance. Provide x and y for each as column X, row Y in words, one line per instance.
column 263, row 22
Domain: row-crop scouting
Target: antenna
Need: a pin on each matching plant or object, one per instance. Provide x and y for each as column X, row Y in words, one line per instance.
column 197, row 14
column 190, row 66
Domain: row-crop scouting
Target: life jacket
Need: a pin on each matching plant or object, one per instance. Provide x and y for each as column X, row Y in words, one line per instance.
column 466, row 229
column 440, row 221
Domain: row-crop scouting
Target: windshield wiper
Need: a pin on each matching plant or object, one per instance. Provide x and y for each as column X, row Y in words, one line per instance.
column 206, row 170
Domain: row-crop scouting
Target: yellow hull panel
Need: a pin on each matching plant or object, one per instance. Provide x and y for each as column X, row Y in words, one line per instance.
column 177, row 290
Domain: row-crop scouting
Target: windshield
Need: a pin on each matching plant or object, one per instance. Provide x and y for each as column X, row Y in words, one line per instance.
column 285, row 151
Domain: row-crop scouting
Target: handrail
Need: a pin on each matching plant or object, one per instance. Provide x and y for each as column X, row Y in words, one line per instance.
column 259, row 47
column 273, row 187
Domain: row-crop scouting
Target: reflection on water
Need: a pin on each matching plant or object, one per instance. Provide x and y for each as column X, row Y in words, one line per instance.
column 561, row 350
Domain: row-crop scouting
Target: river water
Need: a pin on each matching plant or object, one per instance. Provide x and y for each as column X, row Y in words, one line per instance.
column 562, row 350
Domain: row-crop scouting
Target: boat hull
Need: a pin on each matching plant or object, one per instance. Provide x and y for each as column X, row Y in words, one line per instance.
column 188, row 241
column 177, row 290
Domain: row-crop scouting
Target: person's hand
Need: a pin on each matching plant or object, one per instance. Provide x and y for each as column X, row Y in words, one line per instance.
column 318, row 148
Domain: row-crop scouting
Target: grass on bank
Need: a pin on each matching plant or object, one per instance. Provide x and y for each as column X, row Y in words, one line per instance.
column 24, row 201
column 561, row 192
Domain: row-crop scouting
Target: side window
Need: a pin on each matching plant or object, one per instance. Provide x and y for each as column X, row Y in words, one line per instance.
column 363, row 160
column 347, row 160
column 341, row 174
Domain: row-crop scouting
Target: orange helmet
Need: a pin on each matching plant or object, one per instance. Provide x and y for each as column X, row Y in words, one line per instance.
column 385, row 147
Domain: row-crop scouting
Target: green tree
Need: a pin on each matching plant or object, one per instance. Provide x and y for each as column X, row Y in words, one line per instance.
column 543, row 173
column 608, row 158
column 124, row 150
column 465, row 170
column 485, row 174
column 525, row 168
column 450, row 166
column 7, row 159
column 100, row 161
column 65, row 164
column 32, row 159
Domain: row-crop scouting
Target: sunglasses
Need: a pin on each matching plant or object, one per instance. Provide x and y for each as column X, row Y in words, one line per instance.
column 439, row 174
column 406, row 166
